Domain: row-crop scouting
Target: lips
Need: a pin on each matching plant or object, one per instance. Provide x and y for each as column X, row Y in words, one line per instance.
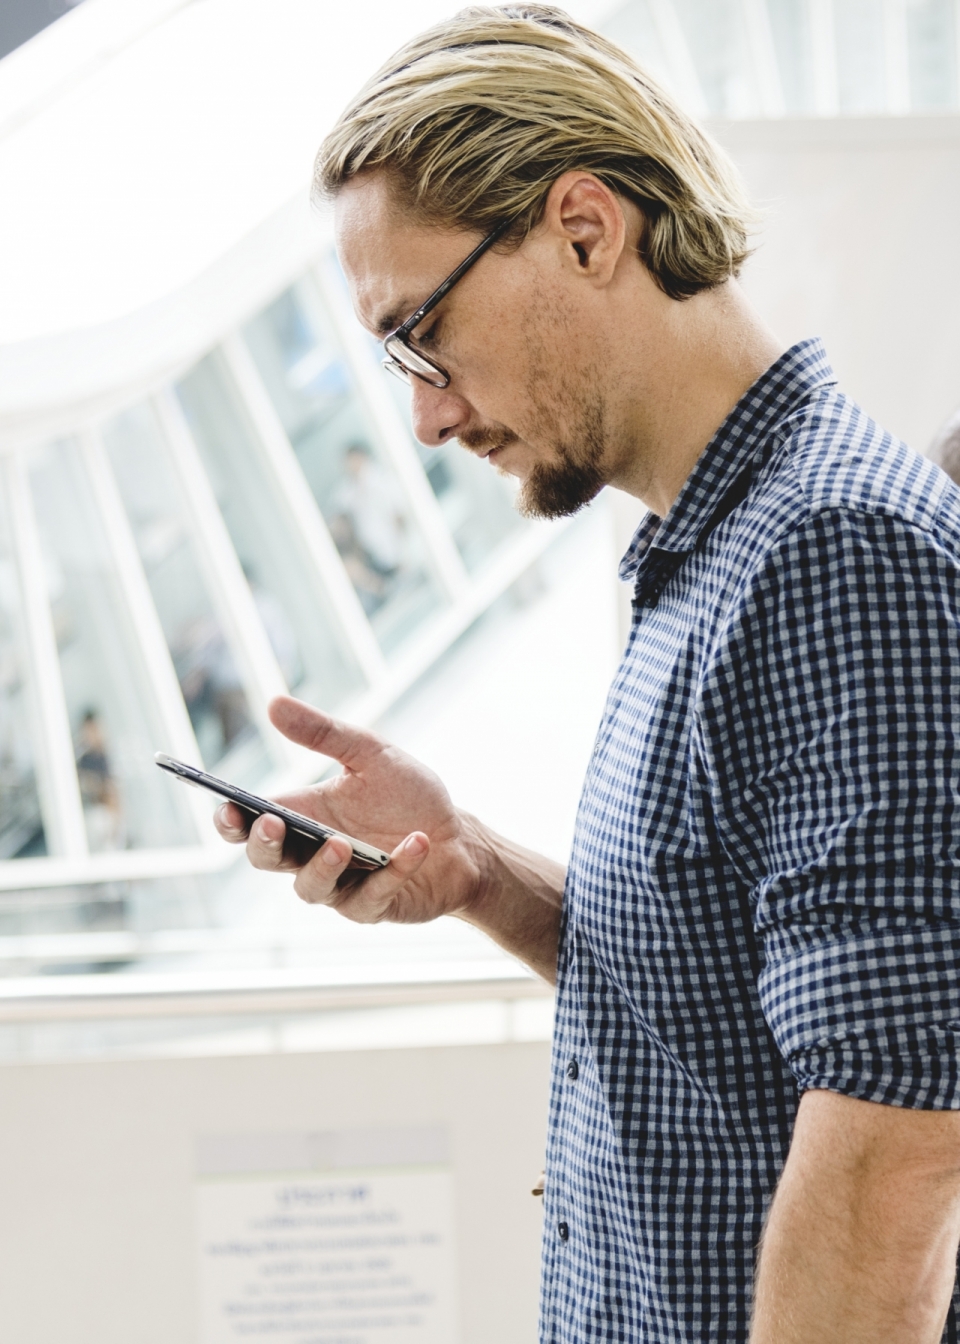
column 491, row 452
column 479, row 442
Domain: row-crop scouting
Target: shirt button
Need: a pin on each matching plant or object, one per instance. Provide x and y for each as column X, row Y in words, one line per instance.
column 563, row 1231
column 573, row 1069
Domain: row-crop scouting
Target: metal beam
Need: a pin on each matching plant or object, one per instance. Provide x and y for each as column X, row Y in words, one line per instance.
column 763, row 57
column 60, row 802
column 896, row 56
column 823, row 47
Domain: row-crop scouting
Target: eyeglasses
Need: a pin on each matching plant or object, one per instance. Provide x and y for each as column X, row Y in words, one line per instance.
column 404, row 360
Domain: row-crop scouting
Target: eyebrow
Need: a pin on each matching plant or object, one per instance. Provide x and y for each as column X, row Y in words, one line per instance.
column 391, row 320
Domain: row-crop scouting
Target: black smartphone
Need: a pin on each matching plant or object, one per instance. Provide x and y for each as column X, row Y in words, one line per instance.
column 304, row 836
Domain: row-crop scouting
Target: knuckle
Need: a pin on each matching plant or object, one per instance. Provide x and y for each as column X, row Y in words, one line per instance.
column 309, row 889
column 261, row 857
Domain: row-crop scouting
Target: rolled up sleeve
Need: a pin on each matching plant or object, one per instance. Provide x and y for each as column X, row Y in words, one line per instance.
column 829, row 730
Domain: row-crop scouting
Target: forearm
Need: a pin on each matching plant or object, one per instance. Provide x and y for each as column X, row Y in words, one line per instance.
column 518, row 899
column 861, row 1243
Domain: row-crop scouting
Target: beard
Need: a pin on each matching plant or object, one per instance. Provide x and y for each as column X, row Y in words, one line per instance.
column 561, row 488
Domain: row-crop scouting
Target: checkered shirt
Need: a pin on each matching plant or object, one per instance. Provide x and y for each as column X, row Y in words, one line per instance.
column 764, row 889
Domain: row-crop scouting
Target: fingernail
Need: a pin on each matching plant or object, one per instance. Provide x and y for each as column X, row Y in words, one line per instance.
column 414, row 845
column 331, row 856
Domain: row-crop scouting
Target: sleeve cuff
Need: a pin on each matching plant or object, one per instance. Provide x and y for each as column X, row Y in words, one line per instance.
column 917, row 1067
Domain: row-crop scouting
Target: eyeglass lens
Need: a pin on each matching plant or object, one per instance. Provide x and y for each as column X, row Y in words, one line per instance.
column 405, row 360
column 396, row 369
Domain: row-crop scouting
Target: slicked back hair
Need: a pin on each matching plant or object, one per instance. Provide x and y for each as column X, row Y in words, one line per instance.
column 474, row 120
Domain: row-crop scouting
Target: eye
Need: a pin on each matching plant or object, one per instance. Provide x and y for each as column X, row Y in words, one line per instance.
column 429, row 338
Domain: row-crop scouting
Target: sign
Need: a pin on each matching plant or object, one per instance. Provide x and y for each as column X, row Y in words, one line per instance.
column 328, row 1251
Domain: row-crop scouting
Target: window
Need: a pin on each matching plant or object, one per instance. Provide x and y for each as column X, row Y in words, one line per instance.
column 206, row 666
column 287, row 591
column 350, row 477
column 476, row 503
column 113, row 717
column 933, row 46
column 715, row 34
column 21, row 823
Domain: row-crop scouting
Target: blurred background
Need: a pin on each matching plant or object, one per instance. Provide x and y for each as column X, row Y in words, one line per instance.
column 210, row 494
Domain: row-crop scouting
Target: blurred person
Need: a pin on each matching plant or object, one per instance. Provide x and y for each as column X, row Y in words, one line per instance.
column 366, row 501
column 371, row 585
column 102, row 809
column 279, row 630
column 211, row 685
column 755, row 944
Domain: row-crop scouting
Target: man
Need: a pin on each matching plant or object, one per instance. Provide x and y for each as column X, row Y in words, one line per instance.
column 756, row 944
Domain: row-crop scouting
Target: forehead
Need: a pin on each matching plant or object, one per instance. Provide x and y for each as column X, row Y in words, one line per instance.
column 391, row 262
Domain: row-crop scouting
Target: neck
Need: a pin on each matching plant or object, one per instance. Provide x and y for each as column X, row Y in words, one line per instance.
column 685, row 371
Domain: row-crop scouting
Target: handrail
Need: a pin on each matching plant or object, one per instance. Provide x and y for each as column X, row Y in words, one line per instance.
column 258, row 991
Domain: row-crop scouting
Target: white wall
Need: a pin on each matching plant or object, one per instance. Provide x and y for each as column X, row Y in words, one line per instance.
column 97, row 1174
column 859, row 246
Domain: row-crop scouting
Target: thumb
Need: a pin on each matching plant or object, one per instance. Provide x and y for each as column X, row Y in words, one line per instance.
column 408, row 855
column 367, row 900
column 310, row 727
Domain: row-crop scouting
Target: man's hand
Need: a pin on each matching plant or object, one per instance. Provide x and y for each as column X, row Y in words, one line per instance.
column 861, row 1243
column 442, row 861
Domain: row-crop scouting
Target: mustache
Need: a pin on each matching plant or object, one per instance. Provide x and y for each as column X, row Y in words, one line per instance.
column 486, row 440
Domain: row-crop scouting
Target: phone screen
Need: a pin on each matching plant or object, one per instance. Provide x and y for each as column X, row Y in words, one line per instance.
column 304, row 835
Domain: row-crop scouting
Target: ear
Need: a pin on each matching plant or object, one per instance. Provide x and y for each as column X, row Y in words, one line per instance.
column 587, row 219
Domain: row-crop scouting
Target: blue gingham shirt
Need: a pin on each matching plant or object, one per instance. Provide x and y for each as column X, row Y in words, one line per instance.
column 764, row 890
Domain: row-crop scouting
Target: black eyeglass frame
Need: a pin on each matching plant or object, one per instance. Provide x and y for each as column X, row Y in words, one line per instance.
column 400, row 339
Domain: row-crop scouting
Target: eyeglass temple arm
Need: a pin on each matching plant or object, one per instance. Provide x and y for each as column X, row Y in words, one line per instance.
column 414, row 320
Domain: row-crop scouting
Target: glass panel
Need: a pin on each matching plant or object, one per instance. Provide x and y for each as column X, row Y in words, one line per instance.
column 860, row 56
column 717, row 41
column 790, row 29
column 21, row 825
column 933, row 53
column 205, row 664
column 127, row 804
column 632, row 27
column 358, row 493
column 476, row 502
column 293, row 606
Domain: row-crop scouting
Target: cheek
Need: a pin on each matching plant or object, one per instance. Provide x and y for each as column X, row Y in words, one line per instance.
column 509, row 378
column 497, row 388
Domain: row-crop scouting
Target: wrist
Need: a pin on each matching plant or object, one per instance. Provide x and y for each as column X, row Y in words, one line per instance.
column 482, row 859
column 515, row 897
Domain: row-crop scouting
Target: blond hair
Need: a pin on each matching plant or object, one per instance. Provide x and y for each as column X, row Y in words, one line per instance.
column 475, row 119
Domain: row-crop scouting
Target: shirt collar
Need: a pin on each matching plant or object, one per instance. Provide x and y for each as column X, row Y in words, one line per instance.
column 739, row 440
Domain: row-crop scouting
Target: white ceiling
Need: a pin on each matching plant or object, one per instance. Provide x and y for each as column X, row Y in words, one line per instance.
column 140, row 140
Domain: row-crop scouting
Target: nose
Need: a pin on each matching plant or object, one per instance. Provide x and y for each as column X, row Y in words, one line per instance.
column 438, row 414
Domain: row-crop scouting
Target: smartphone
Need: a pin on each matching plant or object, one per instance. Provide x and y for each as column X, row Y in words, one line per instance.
column 304, row 836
